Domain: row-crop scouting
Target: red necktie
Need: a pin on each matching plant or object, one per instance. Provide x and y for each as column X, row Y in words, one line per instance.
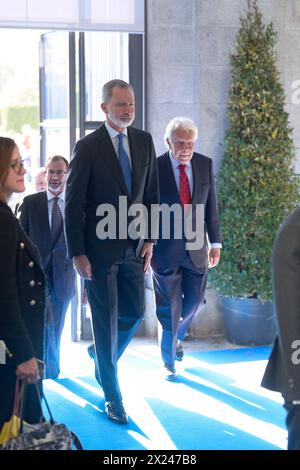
column 185, row 193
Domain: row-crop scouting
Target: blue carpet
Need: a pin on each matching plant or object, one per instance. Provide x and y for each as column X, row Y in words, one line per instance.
column 217, row 404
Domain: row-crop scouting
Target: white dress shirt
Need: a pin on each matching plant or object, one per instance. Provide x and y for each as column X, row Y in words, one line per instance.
column 113, row 134
column 189, row 172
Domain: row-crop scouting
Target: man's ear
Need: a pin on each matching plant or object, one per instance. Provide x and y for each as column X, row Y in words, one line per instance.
column 104, row 107
column 168, row 142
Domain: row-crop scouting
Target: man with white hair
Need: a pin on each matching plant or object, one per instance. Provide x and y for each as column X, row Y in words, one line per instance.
column 180, row 262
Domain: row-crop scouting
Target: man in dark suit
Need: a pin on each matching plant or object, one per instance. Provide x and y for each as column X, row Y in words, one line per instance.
column 112, row 167
column 283, row 369
column 180, row 260
column 41, row 216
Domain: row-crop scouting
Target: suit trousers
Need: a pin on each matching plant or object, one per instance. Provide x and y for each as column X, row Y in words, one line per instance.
column 54, row 328
column 292, row 422
column 179, row 293
column 117, row 299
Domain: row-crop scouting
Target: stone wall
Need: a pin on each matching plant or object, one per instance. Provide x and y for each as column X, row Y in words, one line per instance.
column 188, row 43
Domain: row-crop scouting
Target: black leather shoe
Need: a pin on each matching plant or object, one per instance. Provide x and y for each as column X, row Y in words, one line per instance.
column 170, row 373
column 91, row 353
column 179, row 351
column 116, row 412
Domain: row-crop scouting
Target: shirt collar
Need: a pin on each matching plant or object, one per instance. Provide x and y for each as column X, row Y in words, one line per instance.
column 112, row 132
column 52, row 196
column 175, row 163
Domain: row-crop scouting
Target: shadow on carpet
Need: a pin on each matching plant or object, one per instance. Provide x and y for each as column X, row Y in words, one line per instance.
column 217, row 404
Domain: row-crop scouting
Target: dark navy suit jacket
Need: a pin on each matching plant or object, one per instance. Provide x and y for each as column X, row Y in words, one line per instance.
column 22, row 311
column 35, row 221
column 282, row 373
column 169, row 253
column 96, row 178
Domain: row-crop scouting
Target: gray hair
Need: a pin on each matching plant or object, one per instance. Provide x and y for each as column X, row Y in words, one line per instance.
column 183, row 123
column 56, row 158
column 107, row 88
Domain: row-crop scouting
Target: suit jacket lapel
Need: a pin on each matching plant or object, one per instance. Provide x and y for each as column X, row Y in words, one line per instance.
column 42, row 209
column 32, row 250
column 135, row 153
column 196, row 178
column 109, row 157
column 170, row 178
column 199, row 176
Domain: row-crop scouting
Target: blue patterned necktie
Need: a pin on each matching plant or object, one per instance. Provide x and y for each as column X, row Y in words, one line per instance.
column 125, row 164
column 56, row 221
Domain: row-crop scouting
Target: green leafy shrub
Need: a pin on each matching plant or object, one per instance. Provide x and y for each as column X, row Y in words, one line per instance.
column 18, row 115
column 257, row 186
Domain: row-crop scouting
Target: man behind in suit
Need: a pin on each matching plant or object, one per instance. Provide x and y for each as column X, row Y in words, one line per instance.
column 114, row 163
column 282, row 373
column 179, row 270
column 41, row 215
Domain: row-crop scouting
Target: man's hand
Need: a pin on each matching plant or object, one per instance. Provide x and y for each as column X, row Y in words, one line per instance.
column 28, row 371
column 213, row 257
column 83, row 267
column 146, row 253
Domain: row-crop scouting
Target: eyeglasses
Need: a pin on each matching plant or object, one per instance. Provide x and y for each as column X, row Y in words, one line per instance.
column 17, row 166
column 181, row 144
column 58, row 173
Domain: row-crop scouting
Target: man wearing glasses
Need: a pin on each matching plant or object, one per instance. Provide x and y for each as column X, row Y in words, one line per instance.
column 41, row 215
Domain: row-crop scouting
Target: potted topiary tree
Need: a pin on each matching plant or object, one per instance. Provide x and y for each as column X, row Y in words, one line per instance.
column 257, row 186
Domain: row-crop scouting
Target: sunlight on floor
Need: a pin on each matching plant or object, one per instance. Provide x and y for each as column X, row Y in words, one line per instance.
column 227, row 393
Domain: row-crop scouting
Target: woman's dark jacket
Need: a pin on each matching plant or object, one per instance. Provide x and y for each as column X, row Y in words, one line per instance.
column 22, row 310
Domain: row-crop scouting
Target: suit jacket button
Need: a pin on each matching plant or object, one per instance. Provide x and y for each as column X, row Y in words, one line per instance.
column 31, row 264
column 22, row 246
column 32, row 283
column 32, row 303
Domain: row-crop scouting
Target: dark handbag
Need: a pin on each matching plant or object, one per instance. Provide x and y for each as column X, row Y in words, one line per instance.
column 45, row 435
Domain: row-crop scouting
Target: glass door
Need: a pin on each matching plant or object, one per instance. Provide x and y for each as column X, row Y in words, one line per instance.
column 104, row 56
column 58, row 110
column 57, row 94
column 73, row 69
